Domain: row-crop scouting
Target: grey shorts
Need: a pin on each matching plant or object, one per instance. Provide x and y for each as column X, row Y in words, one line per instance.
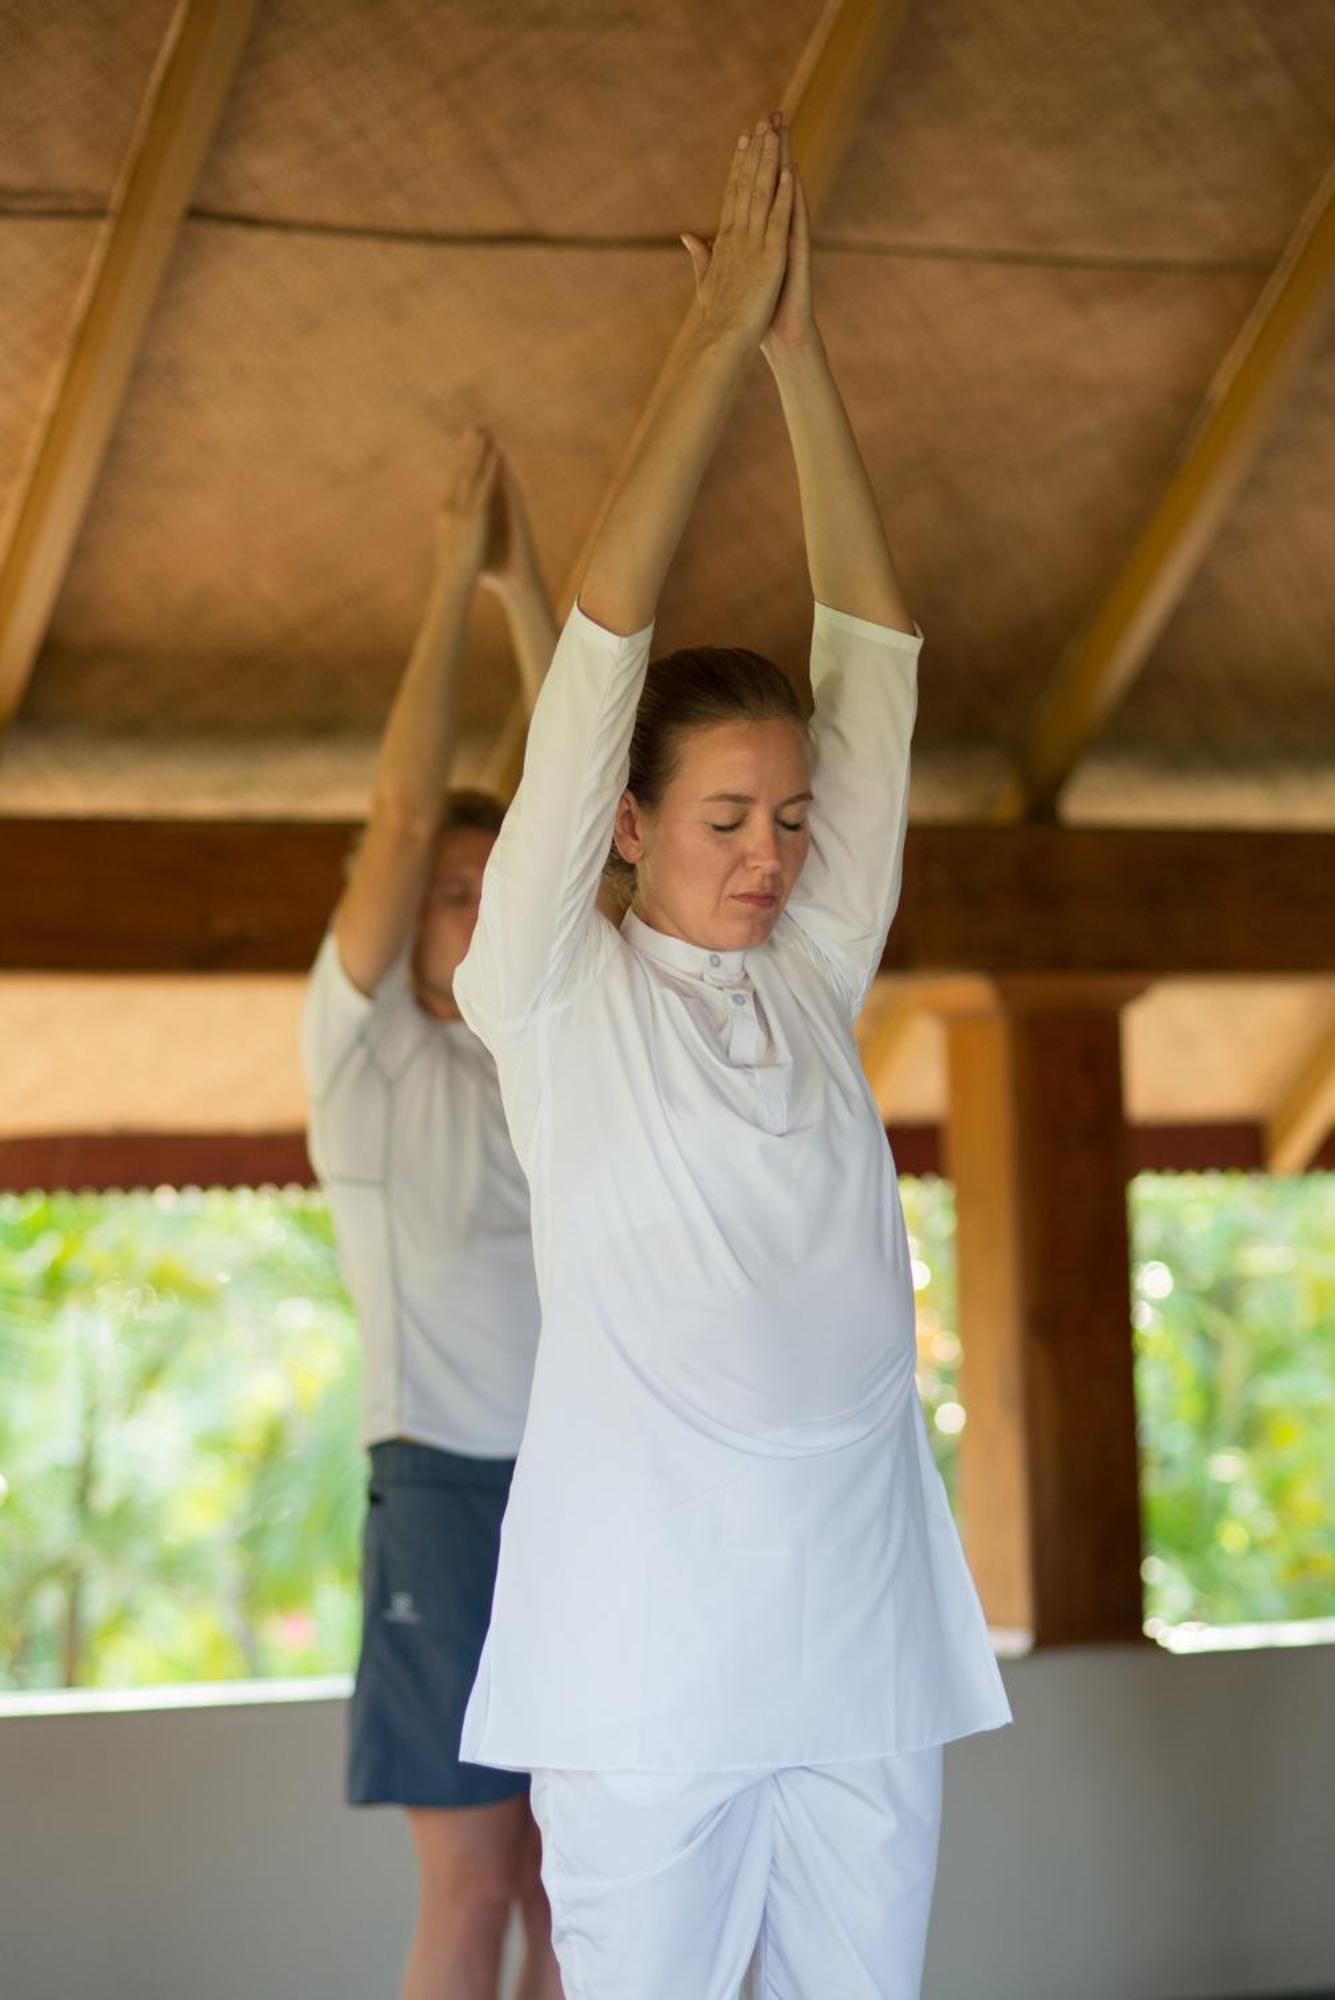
column 430, row 1545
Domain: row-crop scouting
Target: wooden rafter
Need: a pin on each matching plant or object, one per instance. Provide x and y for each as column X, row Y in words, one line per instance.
column 1297, row 1127
column 176, row 123
column 1048, row 902
column 832, row 81
column 1219, row 451
column 822, row 103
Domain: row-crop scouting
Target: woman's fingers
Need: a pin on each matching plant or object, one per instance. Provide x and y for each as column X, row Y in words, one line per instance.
column 699, row 254
column 739, row 153
column 753, row 177
column 801, row 213
column 786, row 141
column 765, row 181
column 475, row 471
column 751, row 166
column 781, row 214
column 760, row 193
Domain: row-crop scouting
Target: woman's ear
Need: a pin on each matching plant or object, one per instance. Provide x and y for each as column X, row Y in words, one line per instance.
column 626, row 829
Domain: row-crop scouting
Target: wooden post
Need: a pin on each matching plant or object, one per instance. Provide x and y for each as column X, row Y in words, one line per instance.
column 1036, row 1148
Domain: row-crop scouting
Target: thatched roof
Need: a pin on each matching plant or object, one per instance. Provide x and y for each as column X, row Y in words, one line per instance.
column 1049, row 225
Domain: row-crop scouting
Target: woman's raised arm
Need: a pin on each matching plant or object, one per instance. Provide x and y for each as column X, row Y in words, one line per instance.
column 538, row 931
column 378, row 910
column 513, row 574
column 847, row 553
column 864, row 651
column 734, row 305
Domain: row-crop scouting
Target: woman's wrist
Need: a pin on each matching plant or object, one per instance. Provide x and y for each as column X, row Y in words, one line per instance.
column 792, row 360
column 459, row 557
column 712, row 343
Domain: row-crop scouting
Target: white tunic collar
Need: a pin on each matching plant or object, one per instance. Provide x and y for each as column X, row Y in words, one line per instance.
column 698, row 961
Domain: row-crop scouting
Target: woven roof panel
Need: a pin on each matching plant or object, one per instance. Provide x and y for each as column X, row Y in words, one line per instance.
column 42, row 264
column 219, row 1054
column 1246, row 667
column 269, row 499
column 117, row 1054
column 71, row 83
column 445, row 117
column 1014, row 420
column 1099, row 129
column 1054, row 219
column 258, row 550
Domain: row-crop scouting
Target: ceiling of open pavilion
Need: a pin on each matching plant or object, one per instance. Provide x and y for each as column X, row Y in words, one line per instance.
column 1047, row 228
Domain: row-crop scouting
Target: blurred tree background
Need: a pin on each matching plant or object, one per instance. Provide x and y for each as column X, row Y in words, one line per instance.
column 181, row 1484
column 178, row 1440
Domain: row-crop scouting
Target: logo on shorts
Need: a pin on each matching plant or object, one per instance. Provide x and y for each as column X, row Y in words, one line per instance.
column 402, row 1610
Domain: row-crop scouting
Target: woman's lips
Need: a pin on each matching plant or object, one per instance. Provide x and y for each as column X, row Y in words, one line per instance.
column 759, row 902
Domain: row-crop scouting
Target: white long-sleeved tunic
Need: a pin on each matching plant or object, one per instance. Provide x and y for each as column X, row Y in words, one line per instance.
column 430, row 1210
column 727, row 1545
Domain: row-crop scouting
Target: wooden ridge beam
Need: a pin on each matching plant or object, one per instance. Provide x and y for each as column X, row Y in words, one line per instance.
column 1299, row 1124
column 176, row 124
column 822, row 103
column 1030, row 901
column 1232, row 425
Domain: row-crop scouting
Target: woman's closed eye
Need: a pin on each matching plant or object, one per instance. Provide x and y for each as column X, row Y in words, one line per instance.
column 736, row 825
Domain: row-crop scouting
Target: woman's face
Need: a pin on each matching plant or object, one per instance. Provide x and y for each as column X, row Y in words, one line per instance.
column 716, row 860
column 449, row 913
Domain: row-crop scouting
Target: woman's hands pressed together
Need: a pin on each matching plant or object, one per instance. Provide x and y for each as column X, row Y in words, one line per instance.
column 465, row 525
column 481, row 537
column 763, row 160
column 739, row 277
column 738, row 282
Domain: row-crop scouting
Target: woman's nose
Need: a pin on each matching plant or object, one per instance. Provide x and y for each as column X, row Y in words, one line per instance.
column 764, row 851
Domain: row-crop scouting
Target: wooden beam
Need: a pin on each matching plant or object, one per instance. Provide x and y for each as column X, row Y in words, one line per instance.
column 822, row 102
column 1151, row 902
column 887, row 1020
column 881, row 1041
column 1052, row 902
column 1049, row 1479
column 1304, row 1117
column 167, row 895
column 176, row 123
column 102, row 1160
column 1232, row 425
column 834, row 77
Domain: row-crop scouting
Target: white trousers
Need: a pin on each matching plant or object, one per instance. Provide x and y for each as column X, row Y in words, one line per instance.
column 668, row 1887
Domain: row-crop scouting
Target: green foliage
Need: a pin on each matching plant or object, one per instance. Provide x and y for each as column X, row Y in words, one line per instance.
column 929, row 1215
column 181, row 1484
column 1234, row 1316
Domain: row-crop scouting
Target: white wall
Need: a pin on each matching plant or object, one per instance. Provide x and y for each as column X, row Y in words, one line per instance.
column 1154, row 1828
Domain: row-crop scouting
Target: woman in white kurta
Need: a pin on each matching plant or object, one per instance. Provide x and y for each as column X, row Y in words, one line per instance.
column 733, row 1624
